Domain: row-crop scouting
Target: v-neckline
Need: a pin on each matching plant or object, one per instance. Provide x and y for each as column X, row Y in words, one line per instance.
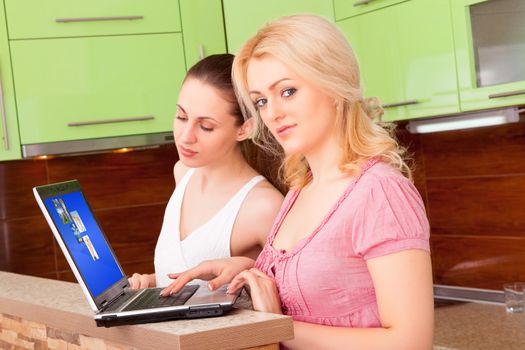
column 201, row 227
column 300, row 244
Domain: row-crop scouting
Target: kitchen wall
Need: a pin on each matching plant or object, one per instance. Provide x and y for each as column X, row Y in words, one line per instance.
column 472, row 182
column 127, row 191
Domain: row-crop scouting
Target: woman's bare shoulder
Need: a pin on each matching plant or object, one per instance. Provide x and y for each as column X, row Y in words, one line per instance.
column 179, row 170
column 261, row 206
column 264, row 194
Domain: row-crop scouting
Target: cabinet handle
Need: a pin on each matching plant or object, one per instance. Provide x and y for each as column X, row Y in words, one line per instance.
column 362, row 2
column 109, row 121
column 94, row 19
column 507, row 94
column 400, row 104
column 201, row 52
column 4, row 117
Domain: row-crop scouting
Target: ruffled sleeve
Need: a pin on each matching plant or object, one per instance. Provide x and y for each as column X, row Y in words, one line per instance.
column 391, row 218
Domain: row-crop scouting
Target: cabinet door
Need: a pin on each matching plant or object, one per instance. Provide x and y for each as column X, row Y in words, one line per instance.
column 82, row 88
column 9, row 140
column 490, row 52
column 426, row 57
column 374, row 45
column 203, row 29
column 406, row 54
column 244, row 17
column 348, row 8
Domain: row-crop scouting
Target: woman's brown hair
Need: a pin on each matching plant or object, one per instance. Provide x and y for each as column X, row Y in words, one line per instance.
column 215, row 71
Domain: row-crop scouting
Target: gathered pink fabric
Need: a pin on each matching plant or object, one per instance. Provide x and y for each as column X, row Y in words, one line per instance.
column 324, row 278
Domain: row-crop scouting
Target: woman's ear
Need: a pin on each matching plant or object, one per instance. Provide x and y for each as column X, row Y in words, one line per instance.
column 245, row 131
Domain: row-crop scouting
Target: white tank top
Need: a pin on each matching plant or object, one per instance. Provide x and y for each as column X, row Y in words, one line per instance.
column 209, row 241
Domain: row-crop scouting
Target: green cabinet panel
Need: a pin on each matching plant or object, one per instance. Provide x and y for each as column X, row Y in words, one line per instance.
column 472, row 96
column 406, row 53
column 380, row 74
column 348, row 8
column 9, row 139
column 38, row 19
column 203, row 29
column 78, row 80
column 244, row 17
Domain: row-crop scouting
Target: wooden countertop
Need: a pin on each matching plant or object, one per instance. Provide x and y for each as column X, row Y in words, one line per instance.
column 63, row 306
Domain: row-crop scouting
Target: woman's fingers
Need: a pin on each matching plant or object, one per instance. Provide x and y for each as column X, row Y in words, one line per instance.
column 246, row 277
column 181, row 280
column 134, row 281
column 258, row 273
column 144, row 281
column 236, row 284
column 138, row 280
column 219, row 281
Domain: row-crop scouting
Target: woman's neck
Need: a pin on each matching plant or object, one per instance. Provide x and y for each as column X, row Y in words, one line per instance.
column 324, row 163
column 221, row 172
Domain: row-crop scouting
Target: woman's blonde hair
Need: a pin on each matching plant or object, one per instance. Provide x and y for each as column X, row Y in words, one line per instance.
column 319, row 52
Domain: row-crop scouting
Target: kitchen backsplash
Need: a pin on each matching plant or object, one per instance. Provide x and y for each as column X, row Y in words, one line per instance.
column 472, row 182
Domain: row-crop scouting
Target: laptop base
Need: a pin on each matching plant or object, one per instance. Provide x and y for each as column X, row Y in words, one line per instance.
column 193, row 312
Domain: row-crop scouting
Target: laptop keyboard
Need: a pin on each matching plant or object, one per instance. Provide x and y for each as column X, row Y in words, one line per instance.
column 151, row 298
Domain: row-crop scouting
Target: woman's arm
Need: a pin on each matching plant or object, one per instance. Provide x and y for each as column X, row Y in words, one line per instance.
column 403, row 285
column 255, row 219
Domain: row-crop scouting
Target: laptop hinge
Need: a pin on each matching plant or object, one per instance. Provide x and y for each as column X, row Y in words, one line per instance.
column 105, row 304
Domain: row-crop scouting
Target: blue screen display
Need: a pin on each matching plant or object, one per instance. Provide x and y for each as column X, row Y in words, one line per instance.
column 85, row 241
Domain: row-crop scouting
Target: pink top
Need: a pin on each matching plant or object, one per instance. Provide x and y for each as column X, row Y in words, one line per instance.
column 324, row 278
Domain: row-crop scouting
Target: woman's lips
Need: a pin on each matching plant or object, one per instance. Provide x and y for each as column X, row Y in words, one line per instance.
column 187, row 152
column 285, row 130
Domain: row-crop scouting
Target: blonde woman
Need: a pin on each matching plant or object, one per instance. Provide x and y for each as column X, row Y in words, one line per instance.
column 348, row 255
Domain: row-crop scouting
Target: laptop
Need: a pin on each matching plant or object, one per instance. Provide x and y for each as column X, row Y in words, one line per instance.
column 100, row 275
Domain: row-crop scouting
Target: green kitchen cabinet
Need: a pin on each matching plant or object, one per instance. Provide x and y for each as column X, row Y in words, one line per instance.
column 348, row 8
column 244, row 17
column 490, row 51
column 96, row 87
column 9, row 142
column 30, row 19
column 380, row 74
column 406, row 56
column 203, row 29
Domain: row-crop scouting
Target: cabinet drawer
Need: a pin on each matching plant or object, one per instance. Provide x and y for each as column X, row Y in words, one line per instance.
column 83, row 88
column 348, row 8
column 29, row 19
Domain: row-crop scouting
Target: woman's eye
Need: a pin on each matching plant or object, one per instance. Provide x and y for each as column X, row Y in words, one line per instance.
column 183, row 119
column 289, row 92
column 260, row 102
column 205, row 128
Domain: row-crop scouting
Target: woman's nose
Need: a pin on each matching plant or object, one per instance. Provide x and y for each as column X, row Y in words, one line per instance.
column 187, row 134
column 274, row 110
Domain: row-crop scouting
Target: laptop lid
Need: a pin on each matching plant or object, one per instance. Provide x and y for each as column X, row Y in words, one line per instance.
column 82, row 241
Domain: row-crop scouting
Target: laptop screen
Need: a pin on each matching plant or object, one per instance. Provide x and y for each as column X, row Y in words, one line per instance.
column 84, row 240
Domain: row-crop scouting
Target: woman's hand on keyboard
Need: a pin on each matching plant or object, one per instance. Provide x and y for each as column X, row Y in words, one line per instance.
column 139, row 281
column 218, row 272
